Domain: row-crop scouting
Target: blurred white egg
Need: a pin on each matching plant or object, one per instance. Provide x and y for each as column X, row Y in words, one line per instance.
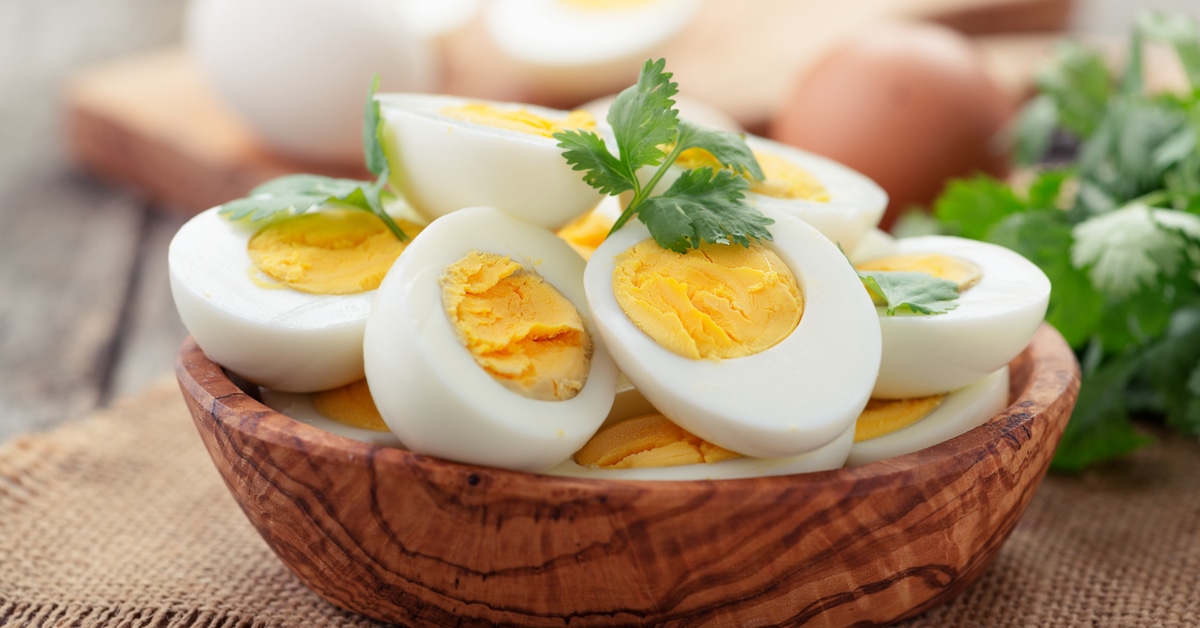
column 427, row 384
column 960, row 412
column 264, row 331
column 443, row 163
column 789, row 399
column 830, row 456
column 994, row 321
column 297, row 72
column 299, row 406
column 875, row 243
column 433, row 19
column 580, row 49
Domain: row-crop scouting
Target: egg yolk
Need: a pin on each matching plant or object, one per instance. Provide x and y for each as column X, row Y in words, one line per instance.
column 715, row 302
column 884, row 416
column 648, row 441
column 586, row 233
column 965, row 274
column 517, row 326
column 781, row 178
column 519, row 120
column 332, row 251
column 350, row 405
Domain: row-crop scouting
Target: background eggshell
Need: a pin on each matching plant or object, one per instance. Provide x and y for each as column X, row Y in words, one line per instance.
column 788, row 400
column 994, row 321
column 426, row 384
column 910, row 105
column 443, row 165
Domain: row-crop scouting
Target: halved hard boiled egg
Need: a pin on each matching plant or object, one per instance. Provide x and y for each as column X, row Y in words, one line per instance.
column 769, row 351
column 1002, row 300
column 651, row 447
column 283, row 305
column 481, row 348
column 940, row 418
column 579, row 49
column 346, row 411
column 448, row 152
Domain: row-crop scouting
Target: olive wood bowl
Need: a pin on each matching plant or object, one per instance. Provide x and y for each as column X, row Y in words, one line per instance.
column 418, row 540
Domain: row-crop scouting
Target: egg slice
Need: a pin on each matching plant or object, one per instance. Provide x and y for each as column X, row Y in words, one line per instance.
column 787, row 399
column 839, row 202
column 348, row 422
column 300, row 328
column 449, row 152
column 875, row 243
column 994, row 321
column 957, row 413
column 474, row 348
column 727, row 466
column 579, row 49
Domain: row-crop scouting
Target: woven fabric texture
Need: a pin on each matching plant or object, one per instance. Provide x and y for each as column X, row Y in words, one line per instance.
column 121, row 520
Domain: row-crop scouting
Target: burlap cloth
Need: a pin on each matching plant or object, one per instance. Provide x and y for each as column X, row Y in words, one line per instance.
column 121, row 519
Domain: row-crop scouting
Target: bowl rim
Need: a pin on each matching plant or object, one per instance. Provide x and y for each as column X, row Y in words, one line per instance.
column 1044, row 377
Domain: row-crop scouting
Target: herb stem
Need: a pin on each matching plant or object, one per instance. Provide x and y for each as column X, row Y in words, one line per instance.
column 641, row 193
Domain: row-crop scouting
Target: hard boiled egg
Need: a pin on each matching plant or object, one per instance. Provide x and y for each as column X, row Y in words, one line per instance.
column 649, row 441
column 298, row 325
column 580, row 49
column 481, row 348
column 956, row 413
column 1003, row 299
column 343, row 411
column 449, row 152
column 789, row 398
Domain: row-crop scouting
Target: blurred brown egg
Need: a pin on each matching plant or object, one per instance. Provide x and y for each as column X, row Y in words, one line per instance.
column 908, row 104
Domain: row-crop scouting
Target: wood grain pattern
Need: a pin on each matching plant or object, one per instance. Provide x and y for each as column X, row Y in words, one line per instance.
column 417, row 540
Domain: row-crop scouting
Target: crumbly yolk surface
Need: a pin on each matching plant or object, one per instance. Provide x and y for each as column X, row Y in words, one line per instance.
column 332, row 251
column 517, row 326
column 648, row 441
column 884, row 416
column 350, row 405
column 715, row 302
column 960, row 271
column 781, row 178
column 586, row 233
column 520, row 120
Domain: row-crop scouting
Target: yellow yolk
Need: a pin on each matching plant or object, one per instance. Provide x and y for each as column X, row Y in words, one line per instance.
column 648, row 441
column 961, row 272
column 884, row 416
column 715, row 302
column 585, row 233
column 334, row 251
column 517, row 326
column 781, row 178
column 519, row 120
column 350, row 405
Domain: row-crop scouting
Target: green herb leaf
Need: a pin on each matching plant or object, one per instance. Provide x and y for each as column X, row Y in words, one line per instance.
column 376, row 161
column 1181, row 33
column 699, row 206
column 1034, row 129
column 920, row 293
column 1133, row 246
column 1079, row 83
column 1100, row 427
column 971, row 207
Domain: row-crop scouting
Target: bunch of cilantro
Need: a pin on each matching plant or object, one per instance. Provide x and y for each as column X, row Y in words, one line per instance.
column 1117, row 230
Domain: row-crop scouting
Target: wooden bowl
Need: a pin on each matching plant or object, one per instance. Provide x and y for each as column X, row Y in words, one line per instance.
column 418, row 540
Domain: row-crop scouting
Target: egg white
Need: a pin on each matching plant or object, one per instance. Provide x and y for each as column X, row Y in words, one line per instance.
column 994, row 321
column 426, row 384
column 565, row 51
column 874, row 244
column 442, row 165
column 960, row 412
column 790, row 399
column 830, row 456
column 299, row 406
column 276, row 337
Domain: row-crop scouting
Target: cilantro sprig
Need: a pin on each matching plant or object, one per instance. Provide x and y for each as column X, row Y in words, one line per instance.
column 295, row 194
column 919, row 293
column 702, row 205
column 1116, row 228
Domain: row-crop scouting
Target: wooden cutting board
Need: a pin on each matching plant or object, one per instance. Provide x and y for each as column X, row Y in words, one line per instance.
column 151, row 122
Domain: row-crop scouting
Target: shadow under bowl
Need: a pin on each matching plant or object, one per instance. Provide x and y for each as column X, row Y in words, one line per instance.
column 418, row 540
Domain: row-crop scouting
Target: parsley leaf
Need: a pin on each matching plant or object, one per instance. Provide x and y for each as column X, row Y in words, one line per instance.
column 702, row 205
column 971, row 207
column 295, row 194
column 920, row 293
column 1100, row 427
column 1133, row 246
